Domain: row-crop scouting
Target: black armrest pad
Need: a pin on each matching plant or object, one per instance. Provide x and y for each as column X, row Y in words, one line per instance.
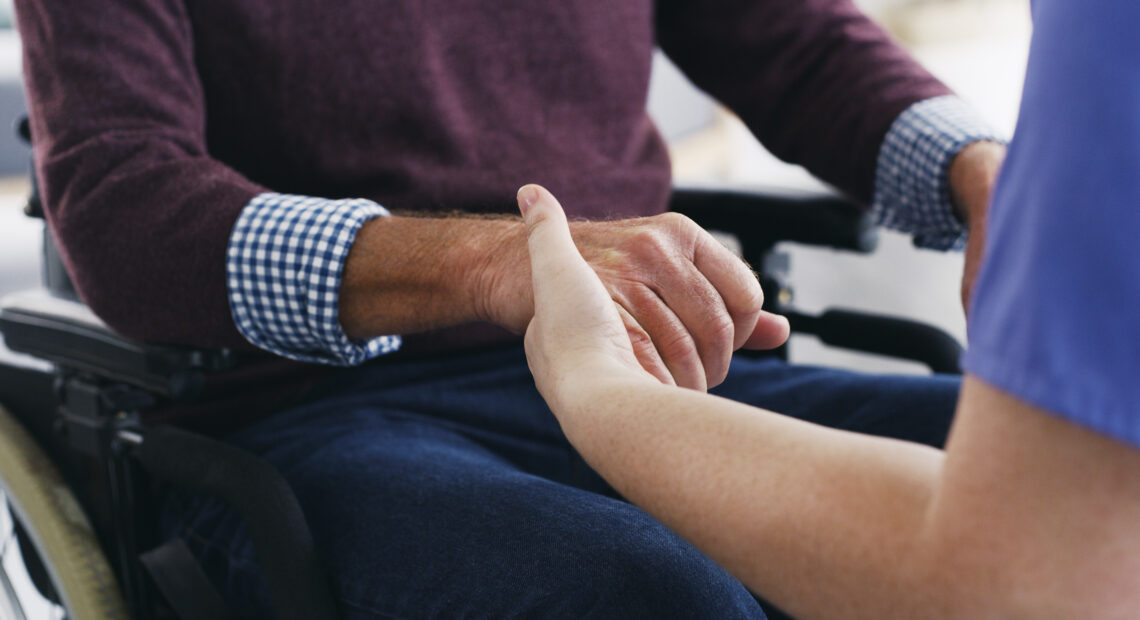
column 67, row 333
column 765, row 217
column 883, row 335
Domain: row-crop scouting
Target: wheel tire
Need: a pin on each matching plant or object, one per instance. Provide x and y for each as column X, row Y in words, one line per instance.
column 57, row 527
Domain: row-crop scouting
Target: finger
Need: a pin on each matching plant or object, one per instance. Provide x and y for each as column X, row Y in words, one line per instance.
column 644, row 349
column 701, row 314
column 566, row 289
column 734, row 281
column 770, row 331
column 670, row 338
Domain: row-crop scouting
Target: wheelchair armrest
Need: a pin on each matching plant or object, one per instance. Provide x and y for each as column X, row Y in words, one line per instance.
column 883, row 335
column 68, row 334
column 762, row 218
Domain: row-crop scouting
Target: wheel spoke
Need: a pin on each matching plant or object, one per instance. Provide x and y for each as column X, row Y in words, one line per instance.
column 7, row 526
column 10, row 606
column 18, row 595
column 7, row 542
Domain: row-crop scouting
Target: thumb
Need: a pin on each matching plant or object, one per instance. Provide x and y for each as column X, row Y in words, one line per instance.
column 563, row 283
column 771, row 331
column 548, row 233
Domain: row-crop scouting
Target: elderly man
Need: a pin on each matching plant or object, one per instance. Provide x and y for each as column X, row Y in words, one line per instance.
column 313, row 180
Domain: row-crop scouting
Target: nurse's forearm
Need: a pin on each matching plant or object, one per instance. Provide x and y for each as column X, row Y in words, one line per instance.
column 824, row 522
column 1026, row 515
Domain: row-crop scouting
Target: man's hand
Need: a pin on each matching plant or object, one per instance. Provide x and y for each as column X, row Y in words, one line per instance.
column 686, row 302
column 973, row 173
column 577, row 335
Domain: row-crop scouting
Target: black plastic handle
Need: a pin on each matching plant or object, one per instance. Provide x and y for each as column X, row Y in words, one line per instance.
column 883, row 335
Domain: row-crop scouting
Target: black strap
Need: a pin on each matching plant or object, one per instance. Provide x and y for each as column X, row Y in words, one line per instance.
column 183, row 582
column 294, row 574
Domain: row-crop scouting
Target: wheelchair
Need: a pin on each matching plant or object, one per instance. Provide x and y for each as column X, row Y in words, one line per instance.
column 82, row 463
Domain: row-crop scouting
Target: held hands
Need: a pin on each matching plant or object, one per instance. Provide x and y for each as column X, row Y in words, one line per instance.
column 576, row 325
column 637, row 312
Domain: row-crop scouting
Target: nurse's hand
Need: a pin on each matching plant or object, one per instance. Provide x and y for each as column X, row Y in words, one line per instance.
column 576, row 333
column 577, row 337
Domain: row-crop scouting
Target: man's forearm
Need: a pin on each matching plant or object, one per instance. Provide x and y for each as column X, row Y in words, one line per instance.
column 410, row 274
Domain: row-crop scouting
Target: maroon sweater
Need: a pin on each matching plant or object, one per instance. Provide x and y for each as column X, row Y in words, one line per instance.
column 155, row 121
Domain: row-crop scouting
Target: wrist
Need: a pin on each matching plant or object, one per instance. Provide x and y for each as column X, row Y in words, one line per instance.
column 411, row 274
column 586, row 401
column 972, row 175
column 496, row 276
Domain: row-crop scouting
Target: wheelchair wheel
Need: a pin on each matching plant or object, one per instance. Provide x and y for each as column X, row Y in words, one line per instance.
column 51, row 564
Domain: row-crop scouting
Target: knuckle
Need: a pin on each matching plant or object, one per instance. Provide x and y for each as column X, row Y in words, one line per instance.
column 718, row 352
column 638, row 337
column 649, row 258
column 752, row 297
column 721, row 329
column 652, row 240
column 676, row 220
column 538, row 219
column 678, row 346
column 679, row 228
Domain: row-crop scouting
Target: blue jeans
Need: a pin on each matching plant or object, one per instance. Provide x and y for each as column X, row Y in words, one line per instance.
column 444, row 488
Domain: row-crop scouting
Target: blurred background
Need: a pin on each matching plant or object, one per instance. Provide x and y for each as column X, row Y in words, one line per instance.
column 978, row 47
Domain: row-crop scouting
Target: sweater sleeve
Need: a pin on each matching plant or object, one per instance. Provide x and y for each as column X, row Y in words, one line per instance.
column 817, row 81
column 141, row 211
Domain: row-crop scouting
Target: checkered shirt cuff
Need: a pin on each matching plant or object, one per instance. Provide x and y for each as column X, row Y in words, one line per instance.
column 284, row 263
column 912, row 187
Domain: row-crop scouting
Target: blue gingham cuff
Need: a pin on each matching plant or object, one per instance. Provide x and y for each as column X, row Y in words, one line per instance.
column 912, row 187
column 284, row 263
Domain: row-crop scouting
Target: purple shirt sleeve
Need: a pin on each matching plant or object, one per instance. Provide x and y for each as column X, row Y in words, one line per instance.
column 140, row 208
column 817, row 81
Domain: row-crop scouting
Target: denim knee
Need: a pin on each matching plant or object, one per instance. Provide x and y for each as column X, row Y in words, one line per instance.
column 650, row 574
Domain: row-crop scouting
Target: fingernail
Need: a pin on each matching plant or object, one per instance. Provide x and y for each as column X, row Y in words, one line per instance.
column 527, row 196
